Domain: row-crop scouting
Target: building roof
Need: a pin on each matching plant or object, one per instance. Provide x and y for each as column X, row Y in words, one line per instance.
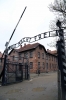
column 29, row 47
column 54, row 52
column 33, row 46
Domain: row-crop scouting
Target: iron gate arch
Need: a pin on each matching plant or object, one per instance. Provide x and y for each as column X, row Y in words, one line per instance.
column 25, row 66
column 33, row 39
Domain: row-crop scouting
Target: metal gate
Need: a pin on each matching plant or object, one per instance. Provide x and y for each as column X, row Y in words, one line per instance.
column 15, row 71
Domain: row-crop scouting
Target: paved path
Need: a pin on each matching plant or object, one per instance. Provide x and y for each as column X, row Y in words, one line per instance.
column 38, row 88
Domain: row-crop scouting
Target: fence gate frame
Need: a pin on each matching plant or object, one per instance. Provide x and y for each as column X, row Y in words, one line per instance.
column 61, row 57
column 11, row 72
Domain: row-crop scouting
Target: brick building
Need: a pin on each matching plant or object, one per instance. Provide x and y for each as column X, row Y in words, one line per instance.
column 39, row 58
column 1, row 62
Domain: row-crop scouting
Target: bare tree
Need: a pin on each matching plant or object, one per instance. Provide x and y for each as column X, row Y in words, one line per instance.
column 59, row 8
column 53, row 42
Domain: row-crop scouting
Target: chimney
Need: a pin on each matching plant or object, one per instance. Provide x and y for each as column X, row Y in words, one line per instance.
column 48, row 50
column 24, row 44
column 20, row 46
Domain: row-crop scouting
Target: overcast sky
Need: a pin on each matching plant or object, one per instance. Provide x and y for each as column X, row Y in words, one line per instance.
column 35, row 20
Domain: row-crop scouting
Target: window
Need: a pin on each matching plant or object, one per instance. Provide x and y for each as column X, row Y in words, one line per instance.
column 56, row 59
column 42, row 55
column 31, row 65
column 20, row 68
column 52, row 58
column 50, row 65
column 31, row 54
column 47, row 65
column 13, row 58
column 26, row 54
column 16, row 58
column 46, row 57
column 38, row 54
column 19, row 56
column 38, row 64
column 43, row 65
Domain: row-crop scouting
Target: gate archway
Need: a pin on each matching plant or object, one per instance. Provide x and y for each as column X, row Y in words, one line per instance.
column 61, row 56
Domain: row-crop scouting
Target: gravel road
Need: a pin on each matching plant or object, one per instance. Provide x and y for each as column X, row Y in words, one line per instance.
column 42, row 87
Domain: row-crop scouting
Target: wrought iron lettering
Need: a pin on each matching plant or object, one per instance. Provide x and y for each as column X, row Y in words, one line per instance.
column 21, row 41
column 49, row 34
column 45, row 35
column 57, row 33
column 29, row 39
column 35, row 38
column 39, row 36
column 24, row 40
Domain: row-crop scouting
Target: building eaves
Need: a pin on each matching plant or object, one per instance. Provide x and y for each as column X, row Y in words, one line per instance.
column 28, row 47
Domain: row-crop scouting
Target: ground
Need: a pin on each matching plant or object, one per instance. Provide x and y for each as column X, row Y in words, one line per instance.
column 42, row 87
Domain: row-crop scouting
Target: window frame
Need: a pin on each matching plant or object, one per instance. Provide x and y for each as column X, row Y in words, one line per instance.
column 26, row 55
column 43, row 65
column 38, row 54
column 31, row 65
column 38, row 65
column 46, row 57
column 47, row 65
column 31, row 54
column 42, row 55
column 20, row 56
column 16, row 57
